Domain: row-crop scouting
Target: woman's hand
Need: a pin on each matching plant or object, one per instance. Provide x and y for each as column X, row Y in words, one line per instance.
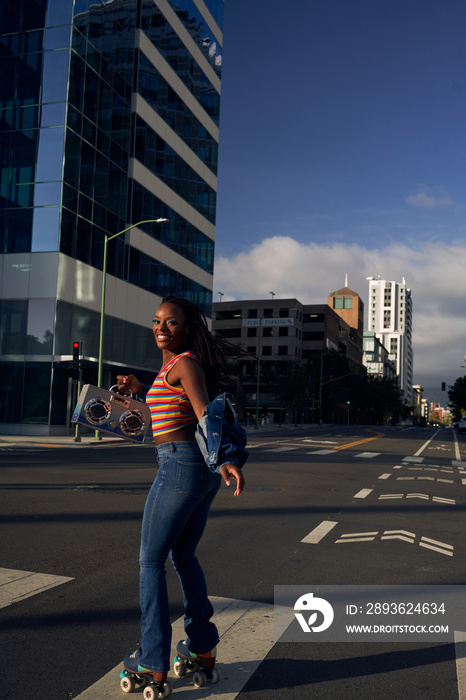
column 128, row 384
column 231, row 470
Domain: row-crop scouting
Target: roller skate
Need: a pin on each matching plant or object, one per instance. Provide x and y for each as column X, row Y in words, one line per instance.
column 202, row 665
column 135, row 676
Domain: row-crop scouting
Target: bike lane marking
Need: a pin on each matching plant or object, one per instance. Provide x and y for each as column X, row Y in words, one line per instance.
column 246, row 636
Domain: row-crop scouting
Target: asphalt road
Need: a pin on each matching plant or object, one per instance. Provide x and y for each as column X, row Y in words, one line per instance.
column 76, row 512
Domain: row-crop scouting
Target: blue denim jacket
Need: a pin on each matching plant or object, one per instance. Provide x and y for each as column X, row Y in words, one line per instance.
column 220, row 439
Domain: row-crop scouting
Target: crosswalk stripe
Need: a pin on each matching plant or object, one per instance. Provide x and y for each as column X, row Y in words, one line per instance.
column 16, row 585
column 281, row 449
column 246, row 637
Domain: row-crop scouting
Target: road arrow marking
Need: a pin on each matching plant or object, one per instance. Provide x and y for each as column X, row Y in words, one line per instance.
column 402, row 535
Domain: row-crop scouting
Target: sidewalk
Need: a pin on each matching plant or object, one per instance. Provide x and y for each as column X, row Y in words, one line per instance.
column 59, row 441
column 89, row 440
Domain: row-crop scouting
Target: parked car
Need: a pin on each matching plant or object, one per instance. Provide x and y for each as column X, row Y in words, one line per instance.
column 460, row 426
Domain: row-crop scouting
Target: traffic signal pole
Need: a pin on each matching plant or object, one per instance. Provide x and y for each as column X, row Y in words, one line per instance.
column 77, row 363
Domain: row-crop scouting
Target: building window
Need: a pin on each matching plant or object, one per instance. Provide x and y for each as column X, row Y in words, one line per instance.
column 228, row 315
column 267, row 312
column 228, row 333
column 283, row 350
column 284, row 313
column 252, row 332
column 283, row 331
column 252, row 313
column 342, row 302
column 313, row 318
column 267, row 350
column 267, row 332
column 313, row 335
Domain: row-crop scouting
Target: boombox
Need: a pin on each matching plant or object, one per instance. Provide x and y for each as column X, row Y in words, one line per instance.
column 111, row 412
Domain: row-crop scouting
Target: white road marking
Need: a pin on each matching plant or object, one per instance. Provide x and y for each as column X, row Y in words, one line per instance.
column 281, row 449
column 246, row 637
column 426, row 444
column 321, row 442
column 442, row 547
column 403, row 535
column 368, row 455
column 384, row 476
column 457, row 448
column 398, row 537
column 423, row 496
column 399, row 532
column 460, row 651
column 321, row 452
column 363, row 493
column 17, row 585
column 425, row 478
column 319, row 532
column 357, row 537
column 413, row 459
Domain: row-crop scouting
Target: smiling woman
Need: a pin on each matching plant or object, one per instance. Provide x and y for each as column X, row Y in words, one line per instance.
column 179, row 501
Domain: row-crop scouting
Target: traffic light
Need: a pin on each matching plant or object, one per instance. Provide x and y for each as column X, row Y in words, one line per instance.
column 74, row 367
column 444, row 386
column 76, row 353
column 348, row 402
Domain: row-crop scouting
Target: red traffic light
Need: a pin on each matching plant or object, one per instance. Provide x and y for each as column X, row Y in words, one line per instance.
column 76, row 347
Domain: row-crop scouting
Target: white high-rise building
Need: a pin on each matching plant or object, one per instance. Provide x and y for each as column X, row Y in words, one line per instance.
column 390, row 314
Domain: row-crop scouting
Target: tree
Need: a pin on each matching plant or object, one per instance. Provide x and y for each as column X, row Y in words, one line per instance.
column 457, row 396
column 292, row 386
column 379, row 400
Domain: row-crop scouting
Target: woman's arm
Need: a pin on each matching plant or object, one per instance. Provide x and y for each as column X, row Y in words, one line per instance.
column 192, row 378
column 128, row 384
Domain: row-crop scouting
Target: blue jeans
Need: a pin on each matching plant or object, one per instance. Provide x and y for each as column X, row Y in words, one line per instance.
column 174, row 520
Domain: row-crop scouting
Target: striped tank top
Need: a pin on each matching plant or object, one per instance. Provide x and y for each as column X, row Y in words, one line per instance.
column 169, row 406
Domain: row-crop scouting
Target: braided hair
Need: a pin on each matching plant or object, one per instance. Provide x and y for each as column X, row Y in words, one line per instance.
column 209, row 350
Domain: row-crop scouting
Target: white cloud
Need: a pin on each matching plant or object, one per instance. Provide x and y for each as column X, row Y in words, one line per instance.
column 310, row 272
column 424, row 198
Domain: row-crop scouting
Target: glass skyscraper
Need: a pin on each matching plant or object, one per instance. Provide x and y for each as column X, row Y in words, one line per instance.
column 109, row 115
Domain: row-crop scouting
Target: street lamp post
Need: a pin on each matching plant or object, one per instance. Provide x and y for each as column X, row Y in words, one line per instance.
column 320, row 386
column 102, row 305
column 256, row 426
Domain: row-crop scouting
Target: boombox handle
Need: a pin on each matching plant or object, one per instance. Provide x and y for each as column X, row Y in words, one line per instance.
column 115, row 390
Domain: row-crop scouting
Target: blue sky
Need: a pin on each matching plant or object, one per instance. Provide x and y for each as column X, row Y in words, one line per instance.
column 343, row 149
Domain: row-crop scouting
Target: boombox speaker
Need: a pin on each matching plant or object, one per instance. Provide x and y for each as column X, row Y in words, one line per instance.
column 111, row 412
